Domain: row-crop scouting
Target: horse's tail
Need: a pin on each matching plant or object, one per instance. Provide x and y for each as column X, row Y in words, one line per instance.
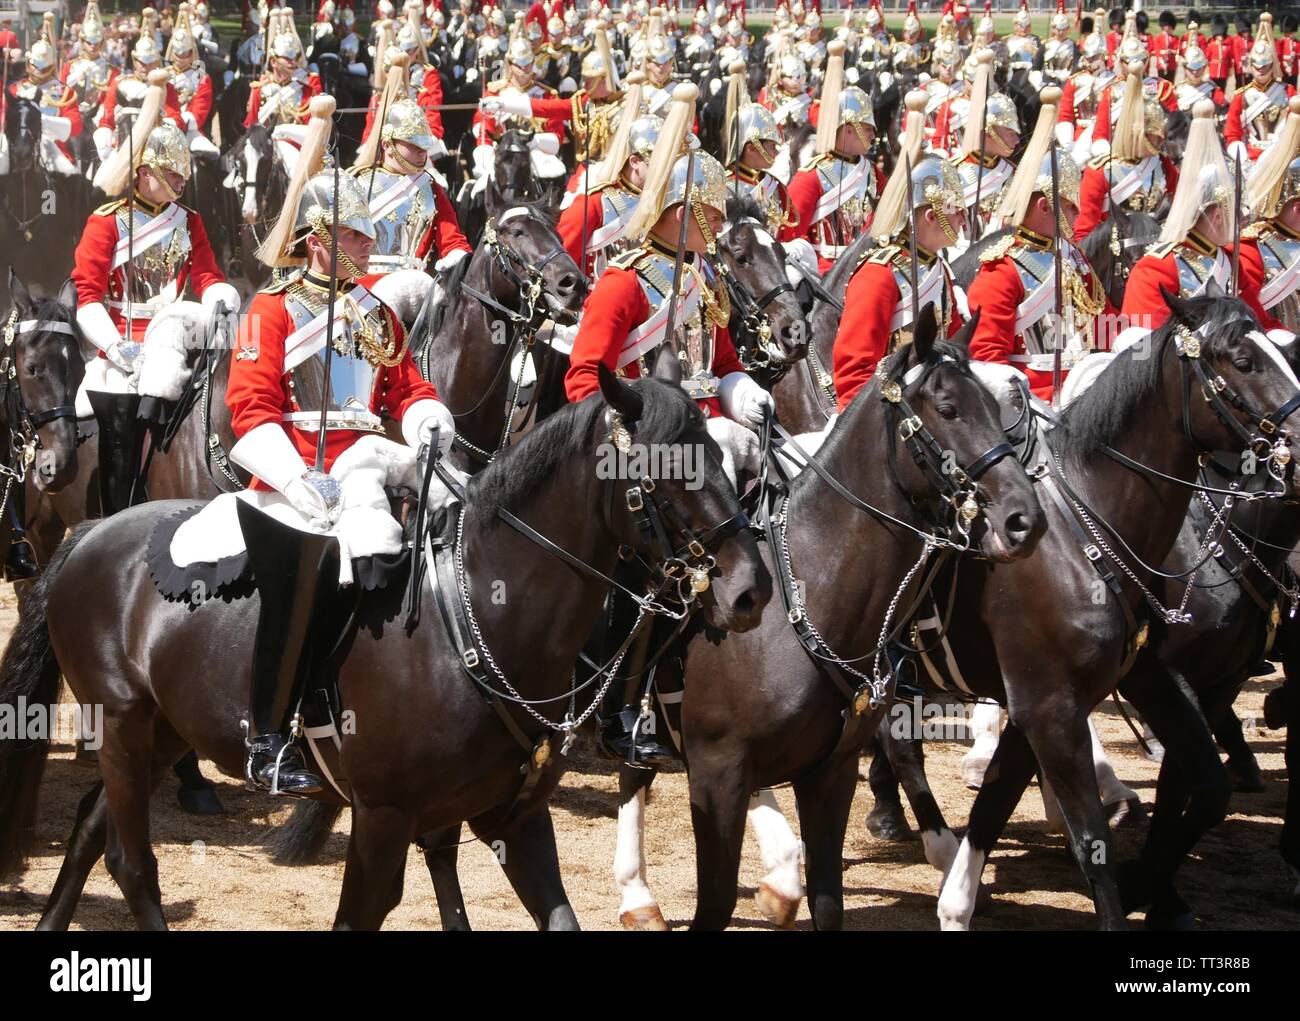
column 300, row 840
column 28, row 671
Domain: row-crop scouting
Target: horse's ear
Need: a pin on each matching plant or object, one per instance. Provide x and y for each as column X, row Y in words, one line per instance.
column 18, row 290
column 924, row 333
column 1213, row 289
column 1120, row 215
column 68, row 295
column 492, row 197
column 668, row 366
column 1179, row 307
column 962, row 338
column 618, row 395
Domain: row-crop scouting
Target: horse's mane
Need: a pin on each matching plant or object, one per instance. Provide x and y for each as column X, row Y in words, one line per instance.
column 1103, row 414
column 1141, row 226
column 741, row 206
column 51, row 310
column 517, row 473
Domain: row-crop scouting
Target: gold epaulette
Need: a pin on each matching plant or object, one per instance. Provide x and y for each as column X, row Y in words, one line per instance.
column 998, row 249
column 882, row 256
column 1255, row 230
column 629, row 259
column 109, row 208
column 1099, row 162
column 1161, row 249
column 277, row 288
column 815, row 162
column 1242, row 88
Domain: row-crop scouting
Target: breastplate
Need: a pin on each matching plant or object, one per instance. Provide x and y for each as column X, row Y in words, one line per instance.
column 844, row 223
column 154, row 267
column 1037, row 268
column 1147, row 196
column 615, row 204
column 351, row 376
column 792, row 111
column 766, row 192
column 47, row 96
column 399, row 231
column 187, row 82
column 990, row 195
column 1279, row 254
column 90, row 77
column 1263, row 125
column 1189, row 95
column 286, row 99
column 693, row 332
column 1021, row 51
column 1193, row 270
column 1058, row 56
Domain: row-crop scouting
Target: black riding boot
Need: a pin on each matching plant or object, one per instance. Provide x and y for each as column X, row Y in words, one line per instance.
column 621, row 736
column 20, row 564
column 297, row 583
column 121, row 446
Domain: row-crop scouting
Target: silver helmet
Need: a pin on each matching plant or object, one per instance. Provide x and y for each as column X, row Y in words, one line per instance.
column 315, row 214
column 644, row 135
column 167, row 149
column 406, row 122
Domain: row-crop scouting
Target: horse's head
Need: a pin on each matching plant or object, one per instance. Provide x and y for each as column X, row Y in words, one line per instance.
column 1237, row 388
column 513, row 167
column 23, row 132
column 952, row 429
column 763, row 299
column 48, row 368
column 528, row 251
column 681, row 512
column 256, row 175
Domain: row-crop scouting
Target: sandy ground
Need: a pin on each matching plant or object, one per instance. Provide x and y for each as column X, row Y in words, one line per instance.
column 214, row 874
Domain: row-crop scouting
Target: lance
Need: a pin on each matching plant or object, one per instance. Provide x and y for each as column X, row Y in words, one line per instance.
column 976, row 227
column 1236, row 227
column 911, row 245
column 1057, row 273
column 130, row 230
column 329, row 325
column 679, row 262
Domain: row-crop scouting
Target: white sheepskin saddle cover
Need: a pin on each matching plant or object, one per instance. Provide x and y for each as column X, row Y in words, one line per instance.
column 366, row 527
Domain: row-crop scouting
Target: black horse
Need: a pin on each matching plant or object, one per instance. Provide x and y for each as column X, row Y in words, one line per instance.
column 428, row 752
column 253, row 192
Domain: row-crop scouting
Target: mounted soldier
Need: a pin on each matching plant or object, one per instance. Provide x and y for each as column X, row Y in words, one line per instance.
column 321, row 362
column 1136, row 173
column 125, row 95
column 789, row 97
column 665, row 293
column 1023, row 46
column 911, row 54
column 1196, row 84
column 1194, row 243
column 834, row 194
column 412, row 216
column 136, row 256
column 1080, row 96
column 658, row 58
column 594, row 226
column 520, row 80
column 1131, row 51
column 1015, row 291
column 983, row 160
column 91, row 71
column 60, row 116
column 250, row 54
column 875, row 44
column 947, row 96
column 1270, row 247
column 420, row 82
column 752, row 141
column 918, row 217
column 279, row 100
column 1258, row 107
column 1060, row 52
column 193, row 86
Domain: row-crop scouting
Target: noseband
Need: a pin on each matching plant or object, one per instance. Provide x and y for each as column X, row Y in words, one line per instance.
column 753, row 312
column 522, row 274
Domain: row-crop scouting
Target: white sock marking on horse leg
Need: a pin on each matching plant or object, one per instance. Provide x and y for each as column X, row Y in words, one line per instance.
column 777, row 845
column 1112, row 789
column 250, row 181
column 940, row 848
column 629, row 855
column 1052, row 809
column 957, row 898
column 986, row 724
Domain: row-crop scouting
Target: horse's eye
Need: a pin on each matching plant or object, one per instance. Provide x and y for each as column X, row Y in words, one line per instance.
column 948, row 411
column 1242, row 363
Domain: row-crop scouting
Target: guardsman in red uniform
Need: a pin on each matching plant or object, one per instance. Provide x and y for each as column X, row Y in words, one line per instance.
column 834, row 194
column 1242, row 43
column 1195, row 241
column 1135, row 173
column 1196, row 84
column 90, row 71
column 280, row 100
column 1115, row 19
column 520, row 81
column 1014, row 289
column 133, row 262
column 1288, row 48
column 1081, row 93
column 755, row 129
column 1270, row 247
column 193, row 87
column 593, row 110
column 126, row 93
column 276, row 378
column 1193, row 36
column 878, row 299
column 421, row 82
column 60, row 117
column 1258, row 107
column 1219, row 51
column 982, row 188
column 1164, row 46
column 791, row 102
column 594, row 226
column 1131, row 51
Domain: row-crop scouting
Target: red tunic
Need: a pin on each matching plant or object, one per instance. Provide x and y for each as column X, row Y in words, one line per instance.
column 1288, row 50
column 444, row 234
column 311, row 89
column 1218, row 51
column 616, row 306
column 805, row 191
column 258, row 391
column 578, row 221
column 1240, row 46
column 1251, row 278
column 863, row 337
column 1145, row 305
column 1200, row 41
column 94, row 256
column 428, row 99
column 107, row 112
column 1094, row 207
column 1234, row 129
column 1165, row 94
column 200, row 104
column 1164, row 47
column 996, row 293
column 72, row 112
column 486, row 129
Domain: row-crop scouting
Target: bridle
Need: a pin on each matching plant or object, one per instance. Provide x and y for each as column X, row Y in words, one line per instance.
column 24, row 424
column 754, row 317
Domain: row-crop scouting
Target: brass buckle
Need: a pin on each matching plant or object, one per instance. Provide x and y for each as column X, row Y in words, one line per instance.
column 909, row 427
column 1267, row 427
column 648, row 484
column 470, row 658
column 697, row 549
column 1092, row 552
column 635, row 502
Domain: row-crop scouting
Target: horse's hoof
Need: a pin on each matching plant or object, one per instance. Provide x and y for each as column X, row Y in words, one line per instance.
column 1124, row 814
column 644, row 919
column 200, row 801
column 887, row 822
column 1246, row 779
column 973, row 770
column 777, row 908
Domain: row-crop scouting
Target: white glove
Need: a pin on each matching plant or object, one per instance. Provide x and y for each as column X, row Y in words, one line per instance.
column 126, row 355
column 1238, row 151
column 1065, row 134
column 515, row 104
column 1099, row 147
column 801, row 251
column 490, row 105
column 425, row 418
column 268, row 453
column 471, row 76
column 97, row 326
column 315, row 496
column 57, row 128
column 562, row 337
column 450, row 260
column 220, row 292
column 743, row 400
column 547, row 142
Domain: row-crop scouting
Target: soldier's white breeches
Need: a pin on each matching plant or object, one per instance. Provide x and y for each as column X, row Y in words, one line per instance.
column 174, row 333
column 101, row 376
column 54, row 160
column 741, row 450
